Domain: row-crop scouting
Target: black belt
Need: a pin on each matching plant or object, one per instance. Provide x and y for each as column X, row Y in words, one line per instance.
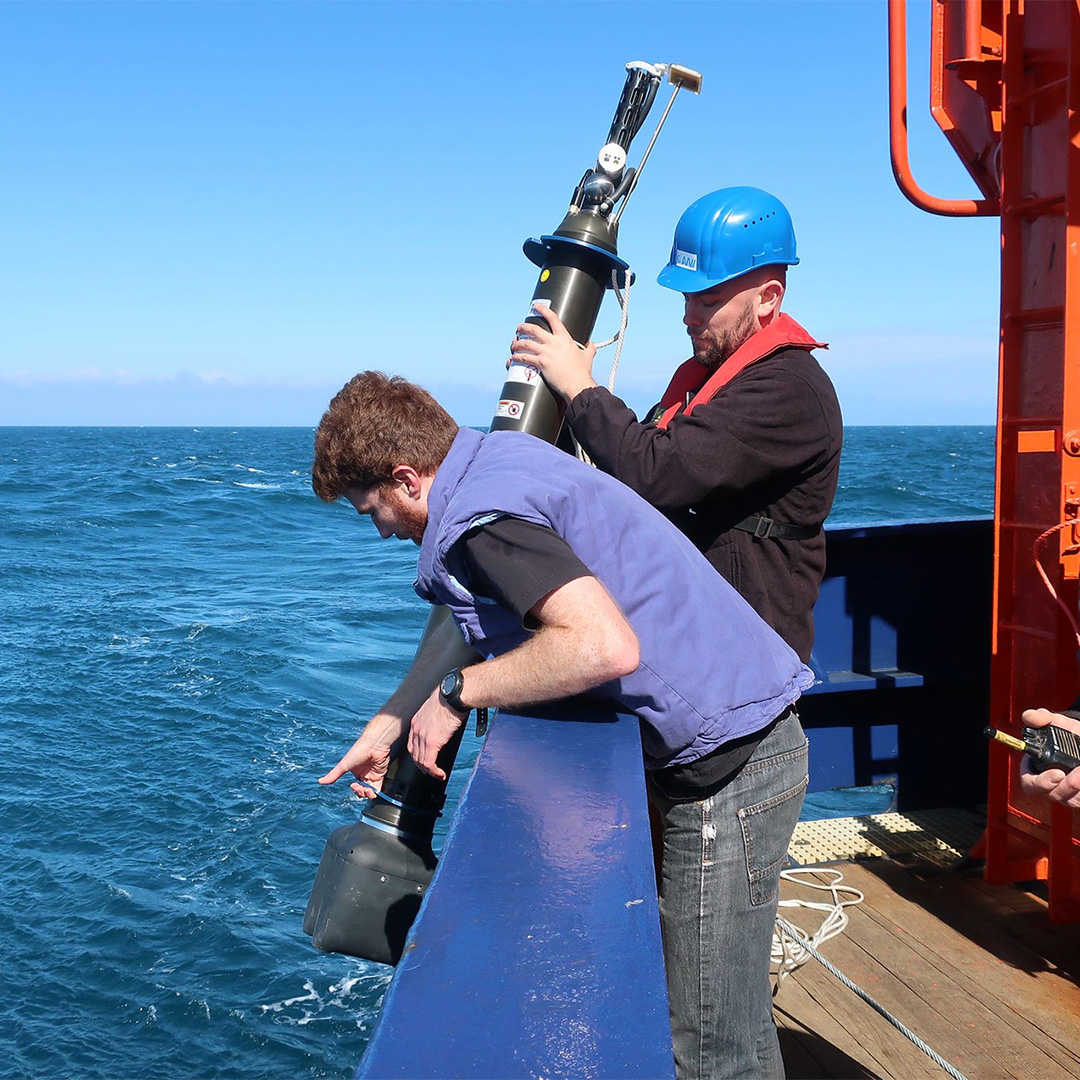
column 763, row 528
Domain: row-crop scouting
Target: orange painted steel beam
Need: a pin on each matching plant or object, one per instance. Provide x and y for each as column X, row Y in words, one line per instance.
column 1034, row 649
column 965, row 86
column 1005, row 90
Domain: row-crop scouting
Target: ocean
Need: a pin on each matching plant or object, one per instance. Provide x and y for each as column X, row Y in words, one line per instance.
column 188, row 638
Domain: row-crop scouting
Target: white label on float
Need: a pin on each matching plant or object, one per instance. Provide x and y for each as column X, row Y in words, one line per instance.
column 510, row 409
column 523, row 373
column 686, row 259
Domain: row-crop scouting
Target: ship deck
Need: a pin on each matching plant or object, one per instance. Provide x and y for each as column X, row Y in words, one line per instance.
column 978, row 972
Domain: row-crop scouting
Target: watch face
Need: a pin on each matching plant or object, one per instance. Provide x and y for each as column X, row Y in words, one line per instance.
column 449, row 683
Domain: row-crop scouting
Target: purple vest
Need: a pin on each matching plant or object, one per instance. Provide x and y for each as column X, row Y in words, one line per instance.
column 711, row 670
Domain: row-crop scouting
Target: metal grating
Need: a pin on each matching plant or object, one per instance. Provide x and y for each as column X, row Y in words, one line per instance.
column 939, row 836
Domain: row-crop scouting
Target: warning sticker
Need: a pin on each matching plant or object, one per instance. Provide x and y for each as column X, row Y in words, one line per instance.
column 510, row 409
column 523, row 373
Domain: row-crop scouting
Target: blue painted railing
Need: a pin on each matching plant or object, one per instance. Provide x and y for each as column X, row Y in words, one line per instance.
column 537, row 950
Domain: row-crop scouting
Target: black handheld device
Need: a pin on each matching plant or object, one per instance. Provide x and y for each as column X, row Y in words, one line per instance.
column 1049, row 747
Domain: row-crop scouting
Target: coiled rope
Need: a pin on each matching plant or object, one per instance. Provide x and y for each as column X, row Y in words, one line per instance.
column 787, row 953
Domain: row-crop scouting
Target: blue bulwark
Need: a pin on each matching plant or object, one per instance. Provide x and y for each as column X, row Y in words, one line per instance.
column 902, row 659
column 537, row 950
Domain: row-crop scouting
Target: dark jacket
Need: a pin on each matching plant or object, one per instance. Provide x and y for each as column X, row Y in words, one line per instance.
column 768, row 445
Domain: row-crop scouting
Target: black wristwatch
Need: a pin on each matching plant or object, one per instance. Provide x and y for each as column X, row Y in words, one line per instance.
column 450, row 691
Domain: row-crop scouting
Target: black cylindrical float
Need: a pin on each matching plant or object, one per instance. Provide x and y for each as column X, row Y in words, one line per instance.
column 373, row 873
column 576, row 266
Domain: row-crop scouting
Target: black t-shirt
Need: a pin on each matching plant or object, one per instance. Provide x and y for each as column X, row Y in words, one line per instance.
column 516, row 564
column 703, row 778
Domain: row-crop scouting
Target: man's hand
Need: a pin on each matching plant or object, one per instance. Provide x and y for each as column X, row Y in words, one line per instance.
column 432, row 728
column 441, row 649
column 1053, row 784
column 566, row 367
column 369, row 757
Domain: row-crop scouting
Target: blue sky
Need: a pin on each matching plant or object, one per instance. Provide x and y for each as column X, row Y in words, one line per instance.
column 216, row 213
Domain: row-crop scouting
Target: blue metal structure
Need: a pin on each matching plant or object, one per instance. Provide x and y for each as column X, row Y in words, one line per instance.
column 902, row 656
column 537, row 950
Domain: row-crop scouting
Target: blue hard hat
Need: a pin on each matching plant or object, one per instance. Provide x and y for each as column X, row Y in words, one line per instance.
column 726, row 233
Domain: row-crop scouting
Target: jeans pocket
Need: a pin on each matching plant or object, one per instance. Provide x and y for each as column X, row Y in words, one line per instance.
column 766, row 828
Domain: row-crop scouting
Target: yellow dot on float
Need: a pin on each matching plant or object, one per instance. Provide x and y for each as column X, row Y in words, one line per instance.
column 545, row 275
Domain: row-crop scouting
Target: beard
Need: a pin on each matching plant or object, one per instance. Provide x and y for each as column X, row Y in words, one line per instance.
column 414, row 523
column 721, row 344
column 411, row 520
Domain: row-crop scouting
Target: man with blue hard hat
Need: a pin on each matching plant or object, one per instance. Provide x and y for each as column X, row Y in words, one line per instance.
column 742, row 453
column 743, row 450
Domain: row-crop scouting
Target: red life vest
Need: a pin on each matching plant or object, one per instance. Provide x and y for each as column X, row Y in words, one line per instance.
column 693, row 384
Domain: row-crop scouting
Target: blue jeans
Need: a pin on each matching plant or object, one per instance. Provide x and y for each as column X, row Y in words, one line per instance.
column 719, row 883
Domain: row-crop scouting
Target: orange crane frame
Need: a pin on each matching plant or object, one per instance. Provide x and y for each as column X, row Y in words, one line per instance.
column 1005, row 90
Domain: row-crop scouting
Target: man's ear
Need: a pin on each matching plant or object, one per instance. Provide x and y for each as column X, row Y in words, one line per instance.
column 408, row 478
column 769, row 298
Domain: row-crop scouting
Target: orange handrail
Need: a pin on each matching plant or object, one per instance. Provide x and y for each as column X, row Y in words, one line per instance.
column 898, row 141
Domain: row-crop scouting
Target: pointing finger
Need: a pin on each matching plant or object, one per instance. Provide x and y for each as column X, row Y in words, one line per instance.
column 334, row 774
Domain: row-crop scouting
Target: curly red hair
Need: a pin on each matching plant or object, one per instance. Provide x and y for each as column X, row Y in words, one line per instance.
column 375, row 422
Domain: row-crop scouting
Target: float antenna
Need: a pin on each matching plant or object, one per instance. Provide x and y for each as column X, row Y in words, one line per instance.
column 680, row 77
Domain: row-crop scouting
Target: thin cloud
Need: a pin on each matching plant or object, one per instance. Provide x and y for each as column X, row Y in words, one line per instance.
column 121, row 377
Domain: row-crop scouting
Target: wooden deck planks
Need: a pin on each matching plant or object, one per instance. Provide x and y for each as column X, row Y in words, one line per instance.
column 976, row 972
column 813, row 1053
column 983, row 941
column 846, row 1026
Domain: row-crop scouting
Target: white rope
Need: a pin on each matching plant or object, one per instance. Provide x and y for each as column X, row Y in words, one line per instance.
column 787, row 953
column 792, row 947
column 580, row 451
column 623, row 296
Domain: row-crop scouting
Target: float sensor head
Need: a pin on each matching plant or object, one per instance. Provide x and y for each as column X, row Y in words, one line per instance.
column 685, row 78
